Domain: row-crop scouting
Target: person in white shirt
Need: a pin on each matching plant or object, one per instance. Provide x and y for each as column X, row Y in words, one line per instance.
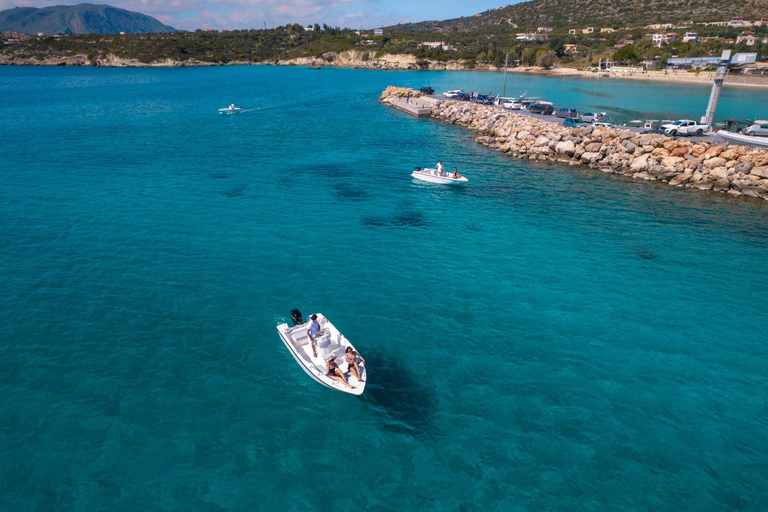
column 313, row 332
column 439, row 168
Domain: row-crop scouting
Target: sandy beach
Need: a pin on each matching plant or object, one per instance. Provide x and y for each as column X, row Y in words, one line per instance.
column 705, row 77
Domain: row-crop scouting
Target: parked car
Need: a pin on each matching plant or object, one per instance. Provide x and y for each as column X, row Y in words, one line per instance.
column 483, row 99
column 512, row 104
column 758, row 128
column 684, row 127
column 604, row 125
column 574, row 122
column 464, row 96
column 427, row 90
column 591, row 117
column 453, row 94
column 566, row 112
column 542, row 107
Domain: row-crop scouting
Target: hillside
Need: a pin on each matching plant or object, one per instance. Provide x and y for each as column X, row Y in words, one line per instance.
column 599, row 13
column 79, row 19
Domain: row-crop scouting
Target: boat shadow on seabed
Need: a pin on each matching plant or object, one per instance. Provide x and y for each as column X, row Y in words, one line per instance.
column 403, row 404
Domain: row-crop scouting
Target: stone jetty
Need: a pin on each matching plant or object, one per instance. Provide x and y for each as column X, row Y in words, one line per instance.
column 732, row 169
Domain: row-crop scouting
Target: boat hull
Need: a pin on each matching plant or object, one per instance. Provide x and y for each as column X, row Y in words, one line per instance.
column 230, row 110
column 744, row 140
column 441, row 180
column 316, row 369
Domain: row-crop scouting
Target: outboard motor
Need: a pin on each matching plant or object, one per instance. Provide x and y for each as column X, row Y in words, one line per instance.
column 296, row 317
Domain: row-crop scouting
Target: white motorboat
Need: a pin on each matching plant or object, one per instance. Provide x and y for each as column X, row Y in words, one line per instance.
column 744, row 140
column 330, row 342
column 432, row 176
column 231, row 109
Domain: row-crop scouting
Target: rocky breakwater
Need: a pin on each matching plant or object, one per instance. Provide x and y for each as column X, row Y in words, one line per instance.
column 731, row 169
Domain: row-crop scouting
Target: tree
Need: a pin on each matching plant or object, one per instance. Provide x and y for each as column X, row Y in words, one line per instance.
column 625, row 54
column 547, row 59
column 528, row 56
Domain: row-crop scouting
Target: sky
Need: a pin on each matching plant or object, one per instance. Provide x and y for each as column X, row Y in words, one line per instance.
column 239, row 14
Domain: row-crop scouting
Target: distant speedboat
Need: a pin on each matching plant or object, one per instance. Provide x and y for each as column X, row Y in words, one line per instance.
column 432, row 176
column 330, row 343
column 231, row 109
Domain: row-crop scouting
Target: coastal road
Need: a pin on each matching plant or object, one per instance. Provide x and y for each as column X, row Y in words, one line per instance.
column 559, row 120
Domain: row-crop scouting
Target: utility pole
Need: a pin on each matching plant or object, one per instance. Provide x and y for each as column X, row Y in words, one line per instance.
column 722, row 69
column 504, row 89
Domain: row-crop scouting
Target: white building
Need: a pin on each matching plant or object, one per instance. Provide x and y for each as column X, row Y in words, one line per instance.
column 737, row 21
column 691, row 37
column 746, row 38
column 544, row 29
column 660, row 39
column 436, row 45
column 309, row 28
column 378, row 32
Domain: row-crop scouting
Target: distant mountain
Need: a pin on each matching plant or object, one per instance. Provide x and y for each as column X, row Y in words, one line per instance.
column 79, row 19
column 598, row 13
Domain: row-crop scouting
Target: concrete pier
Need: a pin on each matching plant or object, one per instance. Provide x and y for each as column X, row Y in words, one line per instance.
column 419, row 107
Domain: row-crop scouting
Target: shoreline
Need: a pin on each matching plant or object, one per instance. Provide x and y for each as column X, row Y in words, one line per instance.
column 356, row 59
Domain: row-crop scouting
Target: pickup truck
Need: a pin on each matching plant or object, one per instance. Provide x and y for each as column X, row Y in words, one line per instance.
column 453, row 94
column 684, row 127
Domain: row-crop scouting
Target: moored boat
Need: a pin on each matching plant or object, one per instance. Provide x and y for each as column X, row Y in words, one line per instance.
column 330, row 343
column 433, row 176
column 744, row 140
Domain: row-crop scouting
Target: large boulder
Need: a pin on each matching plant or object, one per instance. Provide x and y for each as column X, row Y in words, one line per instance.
column 591, row 157
column 761, row 171
column 714, row 151
column 565, row 147
column 719, row 173
column 679, row 151
column 672, row 161
column 714, row 162
column 642, row 162
column 593, row 147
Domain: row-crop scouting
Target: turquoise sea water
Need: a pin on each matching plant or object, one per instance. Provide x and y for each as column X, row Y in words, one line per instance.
column 547, row 338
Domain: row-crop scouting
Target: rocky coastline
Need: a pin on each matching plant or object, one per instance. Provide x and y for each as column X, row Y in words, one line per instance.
column 730, row 169
column 354, row 59
column 368, row 59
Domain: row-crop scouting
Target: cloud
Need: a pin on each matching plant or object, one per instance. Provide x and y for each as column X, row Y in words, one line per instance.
column 240, row 14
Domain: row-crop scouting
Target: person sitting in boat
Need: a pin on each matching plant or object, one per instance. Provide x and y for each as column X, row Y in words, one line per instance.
column 333, row 371
column 439, row 168
column 352, row 364
column 232, row 106
column 313, row 332
column 456, row 174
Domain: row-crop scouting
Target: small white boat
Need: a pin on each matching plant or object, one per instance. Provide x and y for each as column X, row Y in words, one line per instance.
column 330, row 342
column 432, row 176
column 230, row 109
column 744, row 140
